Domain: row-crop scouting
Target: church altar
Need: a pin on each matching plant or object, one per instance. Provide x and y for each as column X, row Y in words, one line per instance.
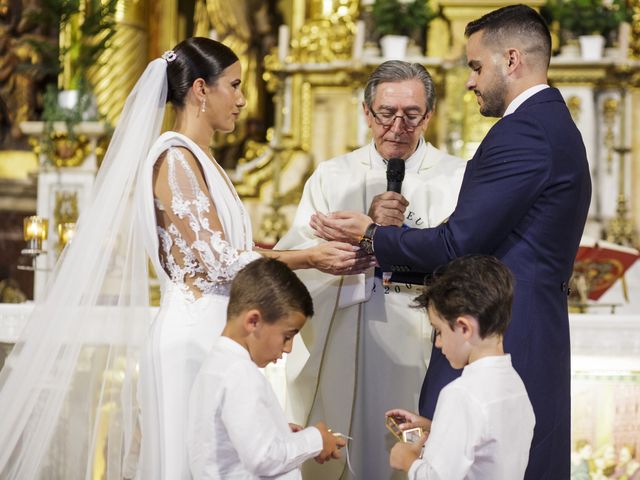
column 599, row 341
column 605, row 350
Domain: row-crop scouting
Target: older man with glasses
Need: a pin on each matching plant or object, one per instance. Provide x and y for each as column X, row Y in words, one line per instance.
column 366, row 350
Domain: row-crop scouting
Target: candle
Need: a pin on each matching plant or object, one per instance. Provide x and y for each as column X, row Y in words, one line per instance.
column 327, row 8
column 623, row 118
column 66, row 232
column 358, row 41
column 283, row 42
column 35, row 231
column 624, row 33
column 35, row 228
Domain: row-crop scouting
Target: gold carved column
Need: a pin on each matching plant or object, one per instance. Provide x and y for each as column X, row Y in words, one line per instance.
column 124, row 61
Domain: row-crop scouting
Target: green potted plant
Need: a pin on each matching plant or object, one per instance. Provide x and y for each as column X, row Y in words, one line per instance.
column 87, row 35
column 397, row 20
column 83, row 30
column 593, row 22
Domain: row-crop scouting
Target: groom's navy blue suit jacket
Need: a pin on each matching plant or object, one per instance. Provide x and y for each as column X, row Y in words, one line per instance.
column 524, row 198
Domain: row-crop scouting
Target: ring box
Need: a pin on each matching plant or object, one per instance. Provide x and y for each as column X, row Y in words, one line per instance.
column 411, row 435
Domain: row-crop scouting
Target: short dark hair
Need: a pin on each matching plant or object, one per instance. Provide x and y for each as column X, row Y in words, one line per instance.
column 477, row 285
column 271, row 287
column 520, row 21
column 399, row 71
column 196, row 57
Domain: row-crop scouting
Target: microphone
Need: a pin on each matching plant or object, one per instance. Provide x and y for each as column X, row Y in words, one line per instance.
column 395, row 174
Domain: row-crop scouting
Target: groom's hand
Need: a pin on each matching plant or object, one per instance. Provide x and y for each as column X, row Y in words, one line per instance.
column 344, row 226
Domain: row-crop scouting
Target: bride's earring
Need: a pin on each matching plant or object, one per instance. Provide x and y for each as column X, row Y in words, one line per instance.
column 202, row 106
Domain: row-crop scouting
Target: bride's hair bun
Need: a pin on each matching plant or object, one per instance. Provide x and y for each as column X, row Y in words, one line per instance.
column 193, row 58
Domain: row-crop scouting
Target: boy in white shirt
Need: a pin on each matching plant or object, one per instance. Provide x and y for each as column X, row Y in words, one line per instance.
column 237, row 428
column 483, row 422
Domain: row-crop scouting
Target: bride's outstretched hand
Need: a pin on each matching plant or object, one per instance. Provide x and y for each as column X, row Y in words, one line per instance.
column 340, row 258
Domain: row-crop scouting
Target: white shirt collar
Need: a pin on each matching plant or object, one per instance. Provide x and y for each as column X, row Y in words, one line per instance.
column 491, row 361
column 411, row 164
column 232, row 346
column 520, row 99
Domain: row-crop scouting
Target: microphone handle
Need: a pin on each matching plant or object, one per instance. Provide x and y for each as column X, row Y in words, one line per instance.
column 394, row 187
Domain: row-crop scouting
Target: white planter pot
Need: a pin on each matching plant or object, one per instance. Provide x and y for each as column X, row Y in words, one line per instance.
column 69, row 99
column 591, row 46
column 394, row 47
column 570, row 50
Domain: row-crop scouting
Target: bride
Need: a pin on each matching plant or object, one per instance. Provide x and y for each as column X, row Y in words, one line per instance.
column 69, row 390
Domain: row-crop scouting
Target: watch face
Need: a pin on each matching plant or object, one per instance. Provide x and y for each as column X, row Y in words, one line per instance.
column 367, row 245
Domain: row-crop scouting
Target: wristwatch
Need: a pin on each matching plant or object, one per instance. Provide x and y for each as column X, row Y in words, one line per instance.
column 366, row 242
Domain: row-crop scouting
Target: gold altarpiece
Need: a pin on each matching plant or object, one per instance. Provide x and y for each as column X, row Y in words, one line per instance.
column 315, row 85
column 318, row 87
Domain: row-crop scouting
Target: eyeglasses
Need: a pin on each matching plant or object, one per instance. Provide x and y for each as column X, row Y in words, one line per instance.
column 387, row 119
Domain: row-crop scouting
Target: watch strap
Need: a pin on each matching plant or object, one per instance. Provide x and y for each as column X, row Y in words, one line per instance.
column 370, row 231
column 366, row 242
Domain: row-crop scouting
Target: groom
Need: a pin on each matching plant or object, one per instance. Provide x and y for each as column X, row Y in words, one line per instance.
column 524, row 198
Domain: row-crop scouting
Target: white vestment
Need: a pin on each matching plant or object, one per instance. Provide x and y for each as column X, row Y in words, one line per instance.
column 366, row 350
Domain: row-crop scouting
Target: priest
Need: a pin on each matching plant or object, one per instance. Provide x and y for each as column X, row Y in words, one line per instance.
column 366, row 350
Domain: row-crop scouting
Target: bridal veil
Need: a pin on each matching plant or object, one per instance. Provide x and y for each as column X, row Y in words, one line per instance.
column 68, row 388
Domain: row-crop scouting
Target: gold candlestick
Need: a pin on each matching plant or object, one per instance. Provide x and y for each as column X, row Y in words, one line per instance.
column 35, row 232
column 274, row 224
column 621, row 229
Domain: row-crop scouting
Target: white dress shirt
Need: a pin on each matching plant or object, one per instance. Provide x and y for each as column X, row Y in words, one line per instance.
column 237, row 428
column 520, row 99
column 482, row 426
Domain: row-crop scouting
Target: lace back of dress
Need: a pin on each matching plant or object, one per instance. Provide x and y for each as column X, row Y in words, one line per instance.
column 196, row 256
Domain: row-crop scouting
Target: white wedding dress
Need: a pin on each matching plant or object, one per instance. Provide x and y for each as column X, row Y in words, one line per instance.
column 195, row 265
column 68, row 392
